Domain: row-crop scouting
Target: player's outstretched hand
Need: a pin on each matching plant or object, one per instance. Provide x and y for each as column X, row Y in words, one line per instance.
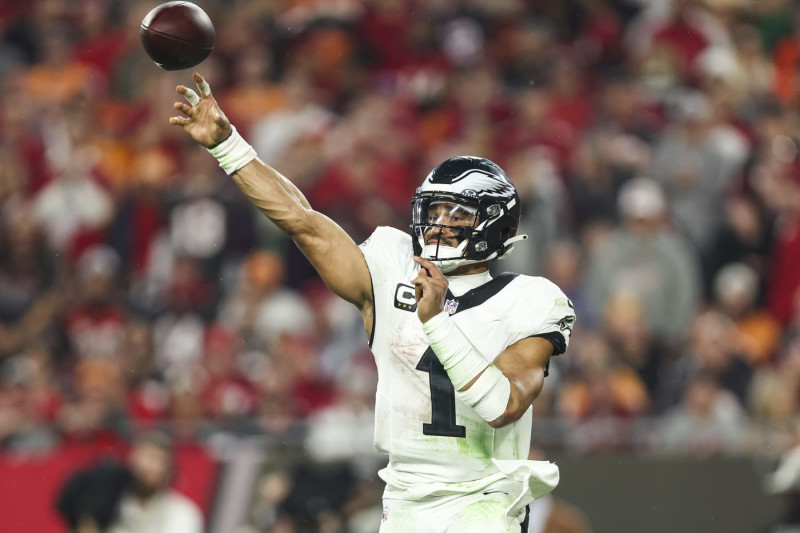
column 430, row 289
column 202, row 118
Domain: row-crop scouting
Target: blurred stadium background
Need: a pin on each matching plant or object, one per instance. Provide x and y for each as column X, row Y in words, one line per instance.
column 654, row 144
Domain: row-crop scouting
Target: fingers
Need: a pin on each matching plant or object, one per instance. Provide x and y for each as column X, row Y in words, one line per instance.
column 427, row 283
column 429, row 267
column 422, row 286
column 418, row 292
column 183, row 108
column 189, row 94
column 202, row 85
column 179, row 121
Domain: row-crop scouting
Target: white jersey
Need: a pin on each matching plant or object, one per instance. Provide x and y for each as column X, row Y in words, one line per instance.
column 435, row 443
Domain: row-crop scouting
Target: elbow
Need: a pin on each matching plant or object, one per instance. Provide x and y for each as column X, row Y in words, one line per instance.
column 519, row 400
column 503, row 421
column 518, row 403
column 511, row 415
column 499, row 422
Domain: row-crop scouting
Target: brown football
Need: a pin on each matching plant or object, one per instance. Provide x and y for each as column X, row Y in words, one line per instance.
column 177, row 35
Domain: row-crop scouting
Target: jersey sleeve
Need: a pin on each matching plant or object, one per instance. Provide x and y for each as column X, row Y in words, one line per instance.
column 547, row 313
column 387, row 251
column 389, row 257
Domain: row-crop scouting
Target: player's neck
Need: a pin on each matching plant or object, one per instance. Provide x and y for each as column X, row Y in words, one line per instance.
column 472, row 268
column 459, row 284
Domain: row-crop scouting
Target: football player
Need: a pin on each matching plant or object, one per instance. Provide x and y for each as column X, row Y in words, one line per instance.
column 460, row 355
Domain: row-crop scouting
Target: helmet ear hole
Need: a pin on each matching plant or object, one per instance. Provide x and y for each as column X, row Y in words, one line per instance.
column 505, row 234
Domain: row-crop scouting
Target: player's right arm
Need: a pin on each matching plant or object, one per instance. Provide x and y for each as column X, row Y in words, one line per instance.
column 332, row 252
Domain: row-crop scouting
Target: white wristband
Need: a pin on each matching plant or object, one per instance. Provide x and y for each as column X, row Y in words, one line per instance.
column 489, row 394
column 233, row 153
column 458, row 357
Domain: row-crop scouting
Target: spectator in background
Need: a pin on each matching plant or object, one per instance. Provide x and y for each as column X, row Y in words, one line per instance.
column 29, row 401
column 260, row 274
column 149, row 505
column 680, row 30
column 692, row 171
column 30, row 297
column 739, row 73
column 647, row 259
column 254, row 95
column 94, row 410
column 299, row 114
column 148, row 396
column 715, row 349
column 228, row 396
column 544, row 200
column 73, row 207
column 708, row 422
column 267, row 512
column 614, row 150
column 601, row 398
column 132, row 498
column 630, row 336
column 58, row 77
column 736, row 290
column 189, row 302
column 343, row 431
column 744, row 237
column 787, row 53
column 775, row 178
column 95, row 324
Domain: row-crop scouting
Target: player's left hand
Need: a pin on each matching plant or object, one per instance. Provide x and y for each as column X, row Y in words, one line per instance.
column 430, row 289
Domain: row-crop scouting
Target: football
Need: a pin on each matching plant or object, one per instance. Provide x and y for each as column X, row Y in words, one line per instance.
column 177, row 35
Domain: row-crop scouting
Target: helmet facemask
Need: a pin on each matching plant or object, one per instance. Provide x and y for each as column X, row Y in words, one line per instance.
column 443, row 226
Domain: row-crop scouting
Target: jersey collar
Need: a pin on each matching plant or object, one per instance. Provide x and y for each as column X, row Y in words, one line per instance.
column 458, row 285
column 479, row 294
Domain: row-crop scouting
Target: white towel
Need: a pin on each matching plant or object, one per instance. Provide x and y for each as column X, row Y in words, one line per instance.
column 535, row 479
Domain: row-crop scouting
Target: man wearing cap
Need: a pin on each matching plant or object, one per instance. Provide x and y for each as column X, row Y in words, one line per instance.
column 648, row 259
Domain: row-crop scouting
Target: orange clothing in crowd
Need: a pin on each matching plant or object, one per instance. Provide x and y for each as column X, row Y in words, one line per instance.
column 787, row 54
column 57, row 85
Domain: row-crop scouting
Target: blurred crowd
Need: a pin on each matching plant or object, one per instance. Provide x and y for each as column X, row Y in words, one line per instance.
column 654, row 145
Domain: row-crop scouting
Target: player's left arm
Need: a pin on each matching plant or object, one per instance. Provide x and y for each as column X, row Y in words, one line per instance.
column 500, row 391
column 523, row 364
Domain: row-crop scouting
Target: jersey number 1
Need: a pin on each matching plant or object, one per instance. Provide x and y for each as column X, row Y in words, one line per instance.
column 443, row 399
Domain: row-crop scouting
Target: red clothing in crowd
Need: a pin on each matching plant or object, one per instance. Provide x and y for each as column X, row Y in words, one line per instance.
column 97, row 331
column 784, row 276
column 684, row 40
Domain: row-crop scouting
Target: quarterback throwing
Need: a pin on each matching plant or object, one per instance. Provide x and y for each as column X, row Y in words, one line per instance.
column 461, row 355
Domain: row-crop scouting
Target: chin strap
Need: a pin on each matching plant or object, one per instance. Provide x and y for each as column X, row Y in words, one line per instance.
column 450, row 263
column 511, row 241
column 507, row 247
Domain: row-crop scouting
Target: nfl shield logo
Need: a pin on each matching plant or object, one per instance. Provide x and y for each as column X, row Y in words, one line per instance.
column 450, row 306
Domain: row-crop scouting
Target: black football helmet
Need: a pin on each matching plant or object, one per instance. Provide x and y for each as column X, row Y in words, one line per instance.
column 475, row 208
